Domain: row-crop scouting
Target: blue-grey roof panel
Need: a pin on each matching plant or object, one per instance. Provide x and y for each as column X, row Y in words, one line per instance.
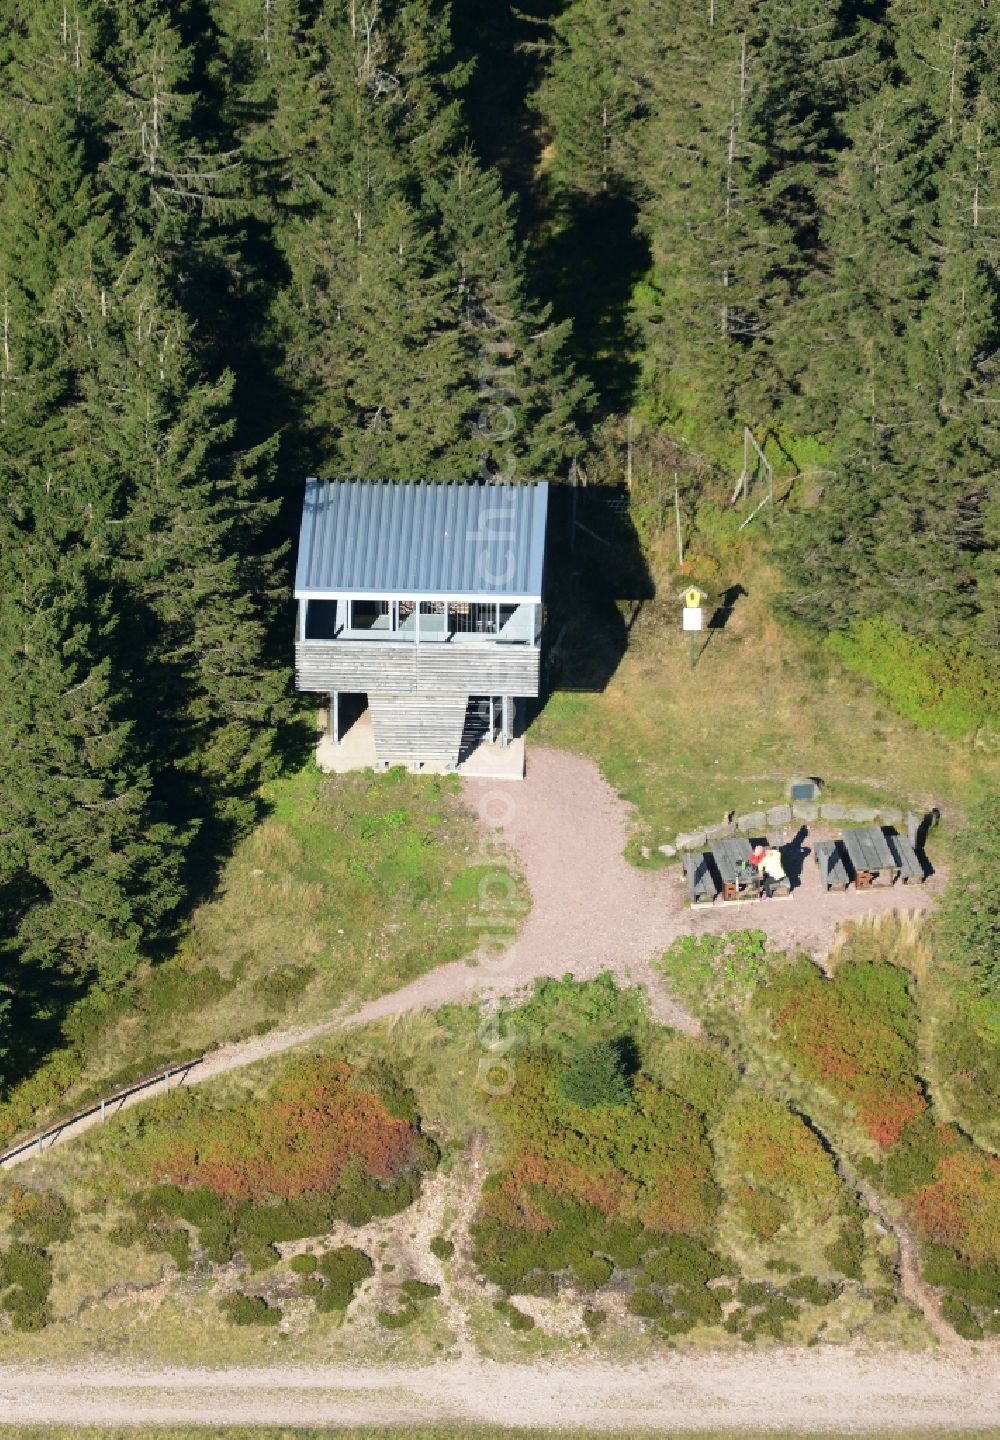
column 385, row 537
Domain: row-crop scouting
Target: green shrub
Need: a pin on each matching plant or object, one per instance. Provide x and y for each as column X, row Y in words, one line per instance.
column 940, row 689
column 442, row 1248
column 25, row 1282
column 334, row 1296
column 127, row 1232
column 303, row 1264
column 28, row 1268
column 814, row 1292
column 594, row 1320
column 700, row 1305
column 420, row 1289
column 359, row 1199
column 257, row 1255
column 695, row 1071
column 197, row 1206
column 516, row 1319
column 345, row 1265
column 280, row 987
column 968, row 924
column 276, row 1223
column 592, row 1271
column 218, row 1242
column 774, row 1316
column 623, row 1241
column 568, row 1015
column 177, row 988
column 967, row 1056
column 961, row 1318
column 647, row 1303
column 762, row 1212
column 538, row 1282
column 599, row 1075
column 683, row 1260
column 913, row 1160
column 249, row 1310
column 846, row 1254
column 311, row 1287
column 977, row 1284
column 752, row 1292
column 27, row 1313
column 41, row 1214
column 398, row 1319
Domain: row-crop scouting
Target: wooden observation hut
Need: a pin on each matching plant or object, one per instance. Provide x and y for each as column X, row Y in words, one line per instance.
column 421, row 602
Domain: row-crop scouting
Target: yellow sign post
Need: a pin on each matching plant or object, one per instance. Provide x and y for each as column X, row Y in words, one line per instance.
column 692, row 620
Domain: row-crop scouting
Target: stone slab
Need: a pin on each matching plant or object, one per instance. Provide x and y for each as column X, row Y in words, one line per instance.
column 805, row 810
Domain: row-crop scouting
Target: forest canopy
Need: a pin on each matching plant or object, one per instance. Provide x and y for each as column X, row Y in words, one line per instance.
column 243, row 240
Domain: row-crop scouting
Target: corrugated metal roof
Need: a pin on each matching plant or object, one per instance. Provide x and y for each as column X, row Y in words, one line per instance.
column 422, row 538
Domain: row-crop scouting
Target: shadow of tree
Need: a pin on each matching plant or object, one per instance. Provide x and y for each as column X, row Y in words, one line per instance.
column 589, row 263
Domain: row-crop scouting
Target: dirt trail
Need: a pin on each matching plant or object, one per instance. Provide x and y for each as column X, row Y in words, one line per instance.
column 591, row 911
column 912, row 1284
column 798, row 1391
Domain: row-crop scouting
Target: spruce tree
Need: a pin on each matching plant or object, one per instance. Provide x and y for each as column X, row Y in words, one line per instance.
column 82, row 836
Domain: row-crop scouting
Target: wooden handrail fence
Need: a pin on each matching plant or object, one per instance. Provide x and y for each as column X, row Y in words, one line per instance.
column 102, row 1107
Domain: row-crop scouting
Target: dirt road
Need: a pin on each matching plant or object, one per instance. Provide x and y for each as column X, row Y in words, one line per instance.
column 798, row 1391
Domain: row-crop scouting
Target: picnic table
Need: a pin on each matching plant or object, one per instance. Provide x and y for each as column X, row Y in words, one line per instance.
column 740, row 880
column 870, row 856
column 700, row 880
column 832, row 862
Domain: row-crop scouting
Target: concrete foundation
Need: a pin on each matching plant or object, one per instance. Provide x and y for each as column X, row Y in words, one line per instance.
column 356, row 751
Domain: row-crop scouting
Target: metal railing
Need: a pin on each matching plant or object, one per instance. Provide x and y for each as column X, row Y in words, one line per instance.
column 48, row 1137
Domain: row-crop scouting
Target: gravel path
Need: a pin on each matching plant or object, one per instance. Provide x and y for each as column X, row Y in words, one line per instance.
column 591, row 911
column 798, row 1391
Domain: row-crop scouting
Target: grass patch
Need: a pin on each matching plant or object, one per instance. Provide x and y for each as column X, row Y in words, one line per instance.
column 764, row 703
column 352, row 886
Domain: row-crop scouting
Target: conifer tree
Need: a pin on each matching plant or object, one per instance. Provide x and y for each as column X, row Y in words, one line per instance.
column 81, row 837
column 593, row 95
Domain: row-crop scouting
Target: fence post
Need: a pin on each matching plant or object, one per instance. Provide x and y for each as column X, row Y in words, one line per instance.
column 103, row 1116
column 40, row 1144
column 166, row 1083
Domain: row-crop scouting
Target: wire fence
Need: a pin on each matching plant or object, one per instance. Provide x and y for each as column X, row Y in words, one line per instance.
column 108, row 1104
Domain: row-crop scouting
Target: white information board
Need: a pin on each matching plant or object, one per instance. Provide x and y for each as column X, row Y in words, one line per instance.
column 692, row 617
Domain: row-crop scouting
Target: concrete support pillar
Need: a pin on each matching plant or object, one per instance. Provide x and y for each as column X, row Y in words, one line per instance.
column 505, row 722
column 333, row 717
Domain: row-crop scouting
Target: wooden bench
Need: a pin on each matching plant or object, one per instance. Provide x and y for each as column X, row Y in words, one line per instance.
column 700, row 880
column 910, row 867
column 778, row 887
column 832, row 862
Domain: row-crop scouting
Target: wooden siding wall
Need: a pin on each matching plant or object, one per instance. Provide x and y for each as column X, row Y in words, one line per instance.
column 399, row 669
column 418, row 728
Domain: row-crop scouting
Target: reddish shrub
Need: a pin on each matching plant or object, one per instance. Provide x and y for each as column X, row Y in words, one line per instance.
column 318, row 1120
column 854, row 1035
column 647, row 1159
column 960, row 1207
